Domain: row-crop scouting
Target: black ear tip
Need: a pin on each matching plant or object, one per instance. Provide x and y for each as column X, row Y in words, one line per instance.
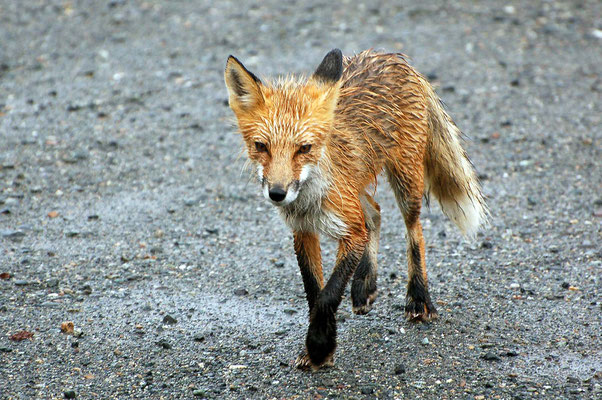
column 336, row 52
column 331, row 68
column 231, row 58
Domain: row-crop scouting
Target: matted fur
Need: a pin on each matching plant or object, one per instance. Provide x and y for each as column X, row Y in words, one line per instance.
column 323, row 141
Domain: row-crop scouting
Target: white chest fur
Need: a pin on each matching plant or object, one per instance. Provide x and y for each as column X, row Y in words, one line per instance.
column 306, row 213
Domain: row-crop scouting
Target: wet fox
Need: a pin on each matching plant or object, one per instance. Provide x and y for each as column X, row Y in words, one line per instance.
column 319, row 144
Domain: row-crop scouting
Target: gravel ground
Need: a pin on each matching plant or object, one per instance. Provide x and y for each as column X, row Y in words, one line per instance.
column 123, row 207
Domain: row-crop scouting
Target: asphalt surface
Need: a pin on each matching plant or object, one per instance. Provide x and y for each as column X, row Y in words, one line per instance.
column 125, row 209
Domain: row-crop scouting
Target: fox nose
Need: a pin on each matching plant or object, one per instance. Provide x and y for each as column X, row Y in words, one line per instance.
column 277, row 193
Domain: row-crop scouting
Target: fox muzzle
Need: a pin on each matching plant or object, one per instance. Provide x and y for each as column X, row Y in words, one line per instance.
column 277, row 193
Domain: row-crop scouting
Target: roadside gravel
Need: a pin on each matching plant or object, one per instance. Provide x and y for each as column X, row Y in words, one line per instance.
column 123, row 208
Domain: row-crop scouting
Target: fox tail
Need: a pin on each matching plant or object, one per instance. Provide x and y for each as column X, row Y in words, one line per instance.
column 449, row 174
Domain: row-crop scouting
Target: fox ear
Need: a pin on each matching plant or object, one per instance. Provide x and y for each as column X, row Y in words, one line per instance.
column 244, row 88
column 331, row 68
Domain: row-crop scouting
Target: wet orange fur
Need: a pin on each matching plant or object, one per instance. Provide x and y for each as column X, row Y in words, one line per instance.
column 380, row 115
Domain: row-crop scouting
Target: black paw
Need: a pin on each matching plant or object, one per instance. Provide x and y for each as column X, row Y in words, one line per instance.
column 417, row 311
column 362, row 303
column 304, row 363
column 321, row 339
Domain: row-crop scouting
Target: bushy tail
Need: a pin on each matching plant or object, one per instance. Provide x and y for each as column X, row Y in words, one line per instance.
column 450, row 176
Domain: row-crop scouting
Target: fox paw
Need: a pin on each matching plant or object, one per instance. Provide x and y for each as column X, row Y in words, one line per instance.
column 420, row 311
column 363, row 306
column 303, row 362
column 321, row 339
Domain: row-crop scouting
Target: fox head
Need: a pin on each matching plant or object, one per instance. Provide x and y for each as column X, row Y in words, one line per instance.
column 285, row 125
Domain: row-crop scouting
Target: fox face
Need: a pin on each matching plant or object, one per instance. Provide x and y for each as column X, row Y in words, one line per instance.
column 285, row 125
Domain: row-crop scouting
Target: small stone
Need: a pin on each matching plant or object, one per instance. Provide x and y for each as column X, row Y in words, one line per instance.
column 71, row 234
column 67, row 327
column 169, row 320
column 198, row 393
column 241, row 292
column 199, row 338
column 279, row 264
column 163, row 343
column 490, row 356
column 367, row 390
column 69, row 394
column 21, row 282
column 52, row 282
column 399, row 369
column 514, row 285
column 86, row 289
column 290, row 311
column 565, row 285
column 191, row 202
column 425, row 341
column 486, row 244
column 12, row 235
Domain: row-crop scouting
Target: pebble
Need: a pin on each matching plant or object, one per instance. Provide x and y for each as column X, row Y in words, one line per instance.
column 425, row 341
column 367, row 390
column 169, row 320
column 12, row 235
column 191, row 202
column 399, row 369
column 69, row 394
column 241, row 292
column 164, row 344
column 490, row 356
column 198, row 393
column 21, row 282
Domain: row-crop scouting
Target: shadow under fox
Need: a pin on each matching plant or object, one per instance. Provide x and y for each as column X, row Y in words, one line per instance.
column 318, row 143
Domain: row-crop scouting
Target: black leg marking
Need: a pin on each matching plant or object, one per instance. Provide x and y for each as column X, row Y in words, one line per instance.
column 310, row 283
column 418, row 301
column 363, row 288
column 321, row 335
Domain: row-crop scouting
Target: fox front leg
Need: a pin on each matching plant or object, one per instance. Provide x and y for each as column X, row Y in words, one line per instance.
column 309, row 258
column 321, row 335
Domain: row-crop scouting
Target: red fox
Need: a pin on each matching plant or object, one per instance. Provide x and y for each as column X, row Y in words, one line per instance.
column 319, row 143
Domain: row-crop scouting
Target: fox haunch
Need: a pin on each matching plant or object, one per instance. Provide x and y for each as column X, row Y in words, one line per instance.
column 319, row 142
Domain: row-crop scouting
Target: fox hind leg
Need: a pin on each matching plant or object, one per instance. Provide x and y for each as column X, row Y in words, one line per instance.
column 363, row 288
column 408, row 187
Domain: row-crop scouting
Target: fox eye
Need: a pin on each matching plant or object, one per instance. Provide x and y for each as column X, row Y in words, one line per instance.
column 260, row 147
column 305, row 149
